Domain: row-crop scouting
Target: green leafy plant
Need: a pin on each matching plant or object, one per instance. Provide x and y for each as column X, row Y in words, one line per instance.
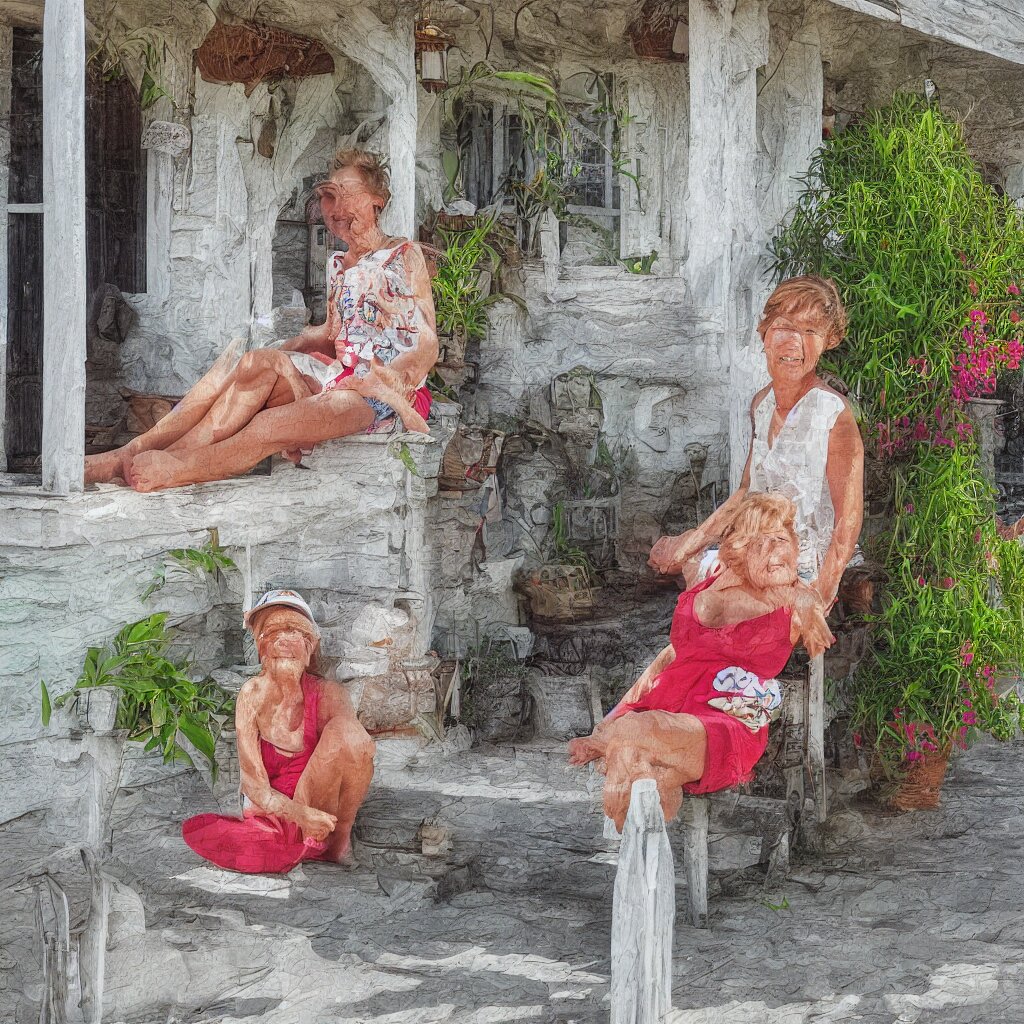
column 640, row 264
column 564, row 552
column 460, row 298
column 209, row 559
column 159, row 703
column 134, row 51
column 929, row 260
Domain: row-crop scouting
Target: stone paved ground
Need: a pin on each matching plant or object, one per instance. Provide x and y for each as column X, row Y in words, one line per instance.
column 913, row 919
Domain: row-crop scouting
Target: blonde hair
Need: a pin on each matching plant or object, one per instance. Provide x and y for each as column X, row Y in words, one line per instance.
column 808, row 295
column 757, row 515
column 372, row 166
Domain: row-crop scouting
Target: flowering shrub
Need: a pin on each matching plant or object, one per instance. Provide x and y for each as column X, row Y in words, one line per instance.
column 930, row 262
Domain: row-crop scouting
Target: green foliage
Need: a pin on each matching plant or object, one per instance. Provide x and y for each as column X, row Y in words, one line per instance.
column 459, row 300
column 209, row 559
column 158, row 702
column 640, row 264
column 564, row 551
column 135, row 50
column 923, row 250
column 404, row 455
column 554, row 133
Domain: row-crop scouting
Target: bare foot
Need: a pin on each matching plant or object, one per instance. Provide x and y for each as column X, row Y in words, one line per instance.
column 104, row 468
column 339, row 850
column 154, row 471
column 584, row 750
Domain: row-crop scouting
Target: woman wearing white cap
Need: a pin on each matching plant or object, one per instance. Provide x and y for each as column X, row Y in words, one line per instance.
column 306, row 762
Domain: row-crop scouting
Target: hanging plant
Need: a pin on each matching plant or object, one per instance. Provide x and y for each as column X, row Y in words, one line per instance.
column 929, row 260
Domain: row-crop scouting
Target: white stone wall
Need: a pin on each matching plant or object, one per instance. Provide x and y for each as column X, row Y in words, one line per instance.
column 348, row 531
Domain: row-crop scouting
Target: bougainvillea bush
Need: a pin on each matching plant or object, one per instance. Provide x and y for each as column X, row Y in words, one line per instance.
column 929, row 259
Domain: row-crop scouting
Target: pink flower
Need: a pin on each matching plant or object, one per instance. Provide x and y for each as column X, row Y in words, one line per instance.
column 978, row 316
column 968, row 335
column 947, row 583
column 1014, row 317
column 970, row 718
column 913, row 755
column 897, row 712
column 920, row 581
column 909, row 509
column 966, row 654
column 977, row 536
column 857, row 739
column 1013, row 290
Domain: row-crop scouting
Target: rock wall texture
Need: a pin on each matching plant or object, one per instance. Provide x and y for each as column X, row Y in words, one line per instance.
column 349, row 531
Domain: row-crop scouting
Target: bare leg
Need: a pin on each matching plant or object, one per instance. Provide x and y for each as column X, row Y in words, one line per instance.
column 669, row 748
column 337, row 778
column 299, row 424
column 181, row 419
column 258, row 377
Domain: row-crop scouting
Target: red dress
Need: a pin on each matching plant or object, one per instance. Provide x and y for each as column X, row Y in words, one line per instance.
column 760, row 646
column 263, row 842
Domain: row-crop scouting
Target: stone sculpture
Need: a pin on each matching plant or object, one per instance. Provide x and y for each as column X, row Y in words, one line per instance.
column 805, row 443
column 362, row 368
column 306, row 762
column 697, row 718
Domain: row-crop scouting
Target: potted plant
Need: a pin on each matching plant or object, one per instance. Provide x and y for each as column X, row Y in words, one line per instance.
column 928, row 258
column 562, row 590
column 467, row 264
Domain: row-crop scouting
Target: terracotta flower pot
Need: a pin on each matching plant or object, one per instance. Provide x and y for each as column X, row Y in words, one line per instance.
column 922, row 785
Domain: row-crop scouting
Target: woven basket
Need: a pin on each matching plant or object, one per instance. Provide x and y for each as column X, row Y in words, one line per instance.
column 471, row 457
column 560, row 593
column 922, row 785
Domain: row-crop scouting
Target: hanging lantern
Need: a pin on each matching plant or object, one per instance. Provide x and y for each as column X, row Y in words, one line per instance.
column 432, row 56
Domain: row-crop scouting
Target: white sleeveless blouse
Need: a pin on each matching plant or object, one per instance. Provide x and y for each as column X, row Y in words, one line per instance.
column 794, row 466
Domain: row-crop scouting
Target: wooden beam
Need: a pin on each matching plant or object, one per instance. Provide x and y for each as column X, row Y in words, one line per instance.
column 995, row 28
column 696, row 818
column 64, row 296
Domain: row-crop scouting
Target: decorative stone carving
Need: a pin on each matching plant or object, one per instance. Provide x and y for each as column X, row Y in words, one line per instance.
column 167, row 137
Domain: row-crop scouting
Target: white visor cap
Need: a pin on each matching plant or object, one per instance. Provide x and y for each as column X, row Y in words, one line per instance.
column 284, row 599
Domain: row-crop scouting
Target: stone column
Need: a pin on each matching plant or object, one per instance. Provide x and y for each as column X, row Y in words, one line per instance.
column 6, row 40
column 64, row 297
column 728, row 43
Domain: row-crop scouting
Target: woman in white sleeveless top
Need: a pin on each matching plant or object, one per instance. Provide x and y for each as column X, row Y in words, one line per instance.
column 805, row 444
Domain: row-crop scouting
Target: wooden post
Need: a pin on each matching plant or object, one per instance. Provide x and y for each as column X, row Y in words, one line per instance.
column 816, row 734
column 696, row 816
column 64, row 297
column 643, row 913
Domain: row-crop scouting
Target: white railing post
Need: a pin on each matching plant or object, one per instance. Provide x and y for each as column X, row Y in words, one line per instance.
column 643, row 913
column 64, row 255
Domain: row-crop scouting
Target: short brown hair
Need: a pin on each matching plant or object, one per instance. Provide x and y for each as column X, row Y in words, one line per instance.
column 808, row 294
column 372, row 166
column 759, row 513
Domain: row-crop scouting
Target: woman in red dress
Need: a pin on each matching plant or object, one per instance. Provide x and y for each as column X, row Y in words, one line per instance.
column 697, row 719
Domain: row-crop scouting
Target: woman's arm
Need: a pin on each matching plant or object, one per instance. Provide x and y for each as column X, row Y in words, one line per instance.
column 416, row 363
column 313, row 339
column 845, row 474
column 646, row 682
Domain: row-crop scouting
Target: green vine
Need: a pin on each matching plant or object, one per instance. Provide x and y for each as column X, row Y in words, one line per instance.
column 929, row 260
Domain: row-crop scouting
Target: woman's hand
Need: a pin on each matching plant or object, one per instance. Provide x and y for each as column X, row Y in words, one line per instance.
column 670, row 554
column 808, row 621
column 316, row 824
